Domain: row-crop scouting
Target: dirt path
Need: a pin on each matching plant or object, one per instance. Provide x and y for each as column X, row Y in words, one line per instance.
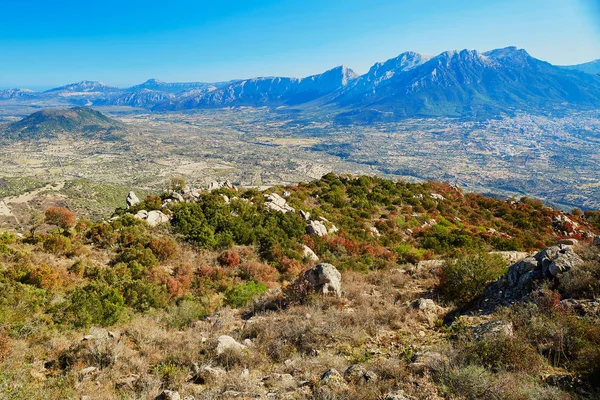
column 5, row 209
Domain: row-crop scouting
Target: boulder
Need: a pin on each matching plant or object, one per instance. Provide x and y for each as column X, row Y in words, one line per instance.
column 427, row 306
column 177, row 197
column 565, row 261
column 494, row 328
column 316, row 228
column 142, row 214
column 227, row 343
column 131, row 200
column 325, row 279
column 309, row 255
column 429, row 361
column 305, row 215
column 156, row 217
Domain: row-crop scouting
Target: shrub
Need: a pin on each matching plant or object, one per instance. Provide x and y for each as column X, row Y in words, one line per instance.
column 163, row 248
column 57, row 244
column 229, row 258
column 184, row 312
column 94, row 304
column 61, row 217
column 241, row 295
column 465, row 278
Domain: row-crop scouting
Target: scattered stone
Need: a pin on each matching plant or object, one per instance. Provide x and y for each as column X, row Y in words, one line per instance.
column 309, row 255
column 357, row 374
column 131, row 200
column 354, row 373
column 437, row 196
column 245, row 374
column 226, row 343
column 169, row 395
column 429, row 361
column 127, row 382
column 206, row 374
column 493, row 328
column 374, row 231
column 332, row 376
column 398, row 395
column 87, row 371
column 325, row 279
column 590, row 307
column 426, row 305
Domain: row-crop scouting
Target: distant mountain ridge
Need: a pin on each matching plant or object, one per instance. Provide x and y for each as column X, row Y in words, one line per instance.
column 453, row 83
column 592, row 67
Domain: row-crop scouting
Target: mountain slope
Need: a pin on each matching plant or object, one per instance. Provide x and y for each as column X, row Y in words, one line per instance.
column 74, row 121
column 592, row 67
column 470, row 83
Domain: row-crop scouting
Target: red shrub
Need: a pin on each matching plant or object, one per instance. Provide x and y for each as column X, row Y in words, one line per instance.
column 163, row 248
column 229, row 258
column 61, row 217
column 258, row 272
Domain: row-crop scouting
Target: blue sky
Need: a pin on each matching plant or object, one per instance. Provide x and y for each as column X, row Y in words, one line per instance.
column 50, row 43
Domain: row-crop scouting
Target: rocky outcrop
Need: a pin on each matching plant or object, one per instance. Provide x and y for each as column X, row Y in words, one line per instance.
column 275, row 202
column 316, row 228
column 553, row 263
column 214, row 185
column 511, row 257
column 131, row 200
column 325, row 279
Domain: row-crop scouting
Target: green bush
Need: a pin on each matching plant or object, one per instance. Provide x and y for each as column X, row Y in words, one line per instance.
column 94, row 304
column 241, row 295
column 184, row 312
column 465, row 278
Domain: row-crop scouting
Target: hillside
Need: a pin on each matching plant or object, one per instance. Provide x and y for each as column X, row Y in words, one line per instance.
column 78, row 121
column 215, row 293
column 592, row 67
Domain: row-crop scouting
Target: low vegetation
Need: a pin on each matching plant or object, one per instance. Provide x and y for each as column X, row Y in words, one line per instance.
column 120, row 309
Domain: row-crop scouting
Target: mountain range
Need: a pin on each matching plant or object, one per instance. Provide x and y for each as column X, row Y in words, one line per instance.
column 453, row 83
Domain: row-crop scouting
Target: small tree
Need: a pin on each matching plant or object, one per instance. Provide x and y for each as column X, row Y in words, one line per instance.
column 176, row 183
column 61, row 217
column 36, row 219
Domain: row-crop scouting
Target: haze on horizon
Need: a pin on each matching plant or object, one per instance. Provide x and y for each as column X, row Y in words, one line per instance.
column 46, row 45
